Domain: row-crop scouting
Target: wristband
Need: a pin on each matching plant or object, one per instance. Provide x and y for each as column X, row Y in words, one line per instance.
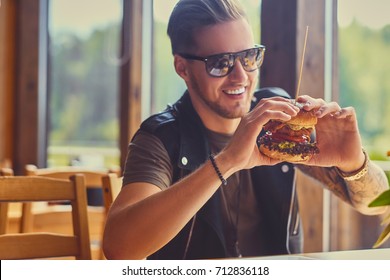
column 356, row 175
column 212, row 159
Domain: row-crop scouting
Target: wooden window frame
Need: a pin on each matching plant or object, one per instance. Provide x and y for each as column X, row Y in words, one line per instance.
column 283, row 30
column 7, row 79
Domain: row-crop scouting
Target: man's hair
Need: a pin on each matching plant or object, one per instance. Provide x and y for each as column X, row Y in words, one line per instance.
column 190, row 15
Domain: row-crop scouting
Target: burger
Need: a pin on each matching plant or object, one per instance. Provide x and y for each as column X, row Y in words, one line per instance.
column 293, row 140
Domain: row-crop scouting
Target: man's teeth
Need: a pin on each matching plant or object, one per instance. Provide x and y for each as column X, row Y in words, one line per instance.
column 235, row 91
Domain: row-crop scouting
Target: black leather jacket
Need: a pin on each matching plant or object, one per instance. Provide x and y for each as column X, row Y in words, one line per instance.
column 183, row 135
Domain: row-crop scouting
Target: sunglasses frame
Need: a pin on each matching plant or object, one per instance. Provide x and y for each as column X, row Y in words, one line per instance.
column 235, row 55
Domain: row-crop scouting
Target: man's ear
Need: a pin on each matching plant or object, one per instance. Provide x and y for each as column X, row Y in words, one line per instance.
column 181, row 67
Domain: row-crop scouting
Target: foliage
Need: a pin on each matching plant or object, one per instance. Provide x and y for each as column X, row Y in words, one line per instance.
column 382, row 200
column 364, row 68
column 84, row 89
column 167, row 86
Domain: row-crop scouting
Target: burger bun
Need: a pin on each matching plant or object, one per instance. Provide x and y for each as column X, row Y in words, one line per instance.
column 303, row 118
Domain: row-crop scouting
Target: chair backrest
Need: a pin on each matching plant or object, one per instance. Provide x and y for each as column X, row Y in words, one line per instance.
column 96, row 215
column 93, row 180
column 4, row 205
column 112, row 185
column 93, row 177
column 47, row 245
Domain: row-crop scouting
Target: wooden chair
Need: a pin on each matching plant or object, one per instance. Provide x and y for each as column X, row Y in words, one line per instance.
column 112, row 185
column 46, row 244
column 58, row 215
column 4, row 205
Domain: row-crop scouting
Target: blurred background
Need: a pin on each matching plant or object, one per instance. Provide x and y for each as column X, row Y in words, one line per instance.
column 77, row 77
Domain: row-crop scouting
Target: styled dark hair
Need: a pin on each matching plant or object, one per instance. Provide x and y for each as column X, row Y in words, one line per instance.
column 190, row 15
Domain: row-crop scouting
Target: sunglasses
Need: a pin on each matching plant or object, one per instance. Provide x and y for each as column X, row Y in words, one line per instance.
column 220, row 65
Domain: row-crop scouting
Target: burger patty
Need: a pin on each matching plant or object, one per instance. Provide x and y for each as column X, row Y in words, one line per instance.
column 287, row 147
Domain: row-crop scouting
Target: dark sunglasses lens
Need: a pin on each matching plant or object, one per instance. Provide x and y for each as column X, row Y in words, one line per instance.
column 252, row 59
column 219, row 65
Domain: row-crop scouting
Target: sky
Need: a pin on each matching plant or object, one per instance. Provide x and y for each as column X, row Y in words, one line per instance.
column 78, row 16
column 162, row 12
column 373, row 13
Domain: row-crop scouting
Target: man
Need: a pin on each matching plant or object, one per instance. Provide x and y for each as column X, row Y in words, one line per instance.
column 195, row 184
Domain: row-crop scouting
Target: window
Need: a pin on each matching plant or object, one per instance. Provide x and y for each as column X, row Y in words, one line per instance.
column 168, row 86
column 364, row 68
column 83, row 125
column 84, row 76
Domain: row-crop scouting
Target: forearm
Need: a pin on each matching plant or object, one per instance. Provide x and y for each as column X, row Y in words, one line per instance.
column 138, row 229
column 364, row 190
column 359, row 193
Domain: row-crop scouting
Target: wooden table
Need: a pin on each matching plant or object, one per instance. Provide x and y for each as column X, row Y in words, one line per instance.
column 369, row 254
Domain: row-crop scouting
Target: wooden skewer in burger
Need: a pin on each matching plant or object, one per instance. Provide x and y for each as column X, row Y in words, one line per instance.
column 293, row 140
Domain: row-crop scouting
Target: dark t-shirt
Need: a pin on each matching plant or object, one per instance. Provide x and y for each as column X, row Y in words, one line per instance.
column 148, row 161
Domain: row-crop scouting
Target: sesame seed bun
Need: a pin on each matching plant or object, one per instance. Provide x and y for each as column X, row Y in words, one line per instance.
column 304, row 118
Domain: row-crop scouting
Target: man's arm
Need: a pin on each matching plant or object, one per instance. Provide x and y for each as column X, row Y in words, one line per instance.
column 364, row 190
column 144, row 218
column 358, row 193
column 341, row 156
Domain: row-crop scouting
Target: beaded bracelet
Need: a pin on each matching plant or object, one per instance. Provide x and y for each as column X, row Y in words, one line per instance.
column 212, row 159
column 358, row 173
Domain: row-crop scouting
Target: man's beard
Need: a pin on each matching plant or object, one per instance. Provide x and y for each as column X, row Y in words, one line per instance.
column 225, row 112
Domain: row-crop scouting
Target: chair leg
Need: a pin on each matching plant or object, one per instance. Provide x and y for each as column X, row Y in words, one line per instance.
column 27, row 219
column 3, row 217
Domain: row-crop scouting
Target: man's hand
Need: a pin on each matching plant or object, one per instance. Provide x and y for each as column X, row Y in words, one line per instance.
column 337, row 133
column 242, row 150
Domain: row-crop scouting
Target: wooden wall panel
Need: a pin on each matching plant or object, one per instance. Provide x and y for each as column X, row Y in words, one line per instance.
column 312, row 14
column 26, row 114
column 7, row 79
column 310, row 197
column 283, row 29
column 278, row 34
column 131, row 78
column 352, row 230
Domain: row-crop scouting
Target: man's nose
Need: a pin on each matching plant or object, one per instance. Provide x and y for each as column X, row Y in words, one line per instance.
column 238, row 72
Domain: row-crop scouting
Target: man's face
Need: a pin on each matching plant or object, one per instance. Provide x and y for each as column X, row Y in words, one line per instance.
column 229, row 96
